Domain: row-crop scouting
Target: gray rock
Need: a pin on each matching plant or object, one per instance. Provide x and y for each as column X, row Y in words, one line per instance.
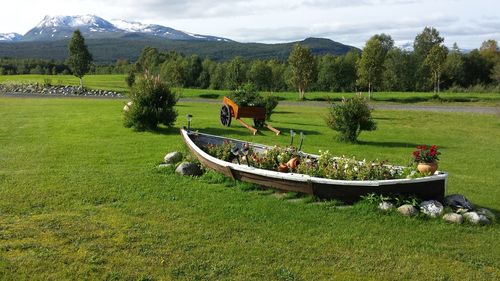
column 188, row 169
column 472, row 217
column 484, row 220
column 458, row 202
column 453, row 218
column 407, row 210
column 487, row 213
column 432, row 208
column 385, row 206
column 173, row 157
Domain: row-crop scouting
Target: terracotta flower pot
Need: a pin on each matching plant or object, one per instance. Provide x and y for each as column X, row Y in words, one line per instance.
column 292, row 163
column 427, row 168
column 283, row 168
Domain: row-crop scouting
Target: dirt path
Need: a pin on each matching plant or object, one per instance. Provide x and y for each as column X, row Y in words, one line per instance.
column 432, row 108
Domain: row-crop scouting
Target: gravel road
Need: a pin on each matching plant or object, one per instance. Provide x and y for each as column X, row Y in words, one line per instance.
column 434, row 108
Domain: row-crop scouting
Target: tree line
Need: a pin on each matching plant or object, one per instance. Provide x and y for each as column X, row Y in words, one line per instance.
column 379, row 67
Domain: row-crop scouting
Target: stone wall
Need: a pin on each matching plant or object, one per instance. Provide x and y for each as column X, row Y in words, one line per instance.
column 56, row 90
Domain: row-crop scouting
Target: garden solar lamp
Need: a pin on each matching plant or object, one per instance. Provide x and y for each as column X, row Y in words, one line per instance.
column 189, row 118
column 236, row 152
column 302, row 136
column 292, row 134
column 244, row 152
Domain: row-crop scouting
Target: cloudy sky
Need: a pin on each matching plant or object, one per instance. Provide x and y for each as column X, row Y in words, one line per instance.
column 467, row 22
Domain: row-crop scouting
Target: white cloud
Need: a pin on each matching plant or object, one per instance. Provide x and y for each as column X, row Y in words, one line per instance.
column 347, row 21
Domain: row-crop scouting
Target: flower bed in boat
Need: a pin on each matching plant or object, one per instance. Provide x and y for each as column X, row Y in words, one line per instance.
column 290, row 160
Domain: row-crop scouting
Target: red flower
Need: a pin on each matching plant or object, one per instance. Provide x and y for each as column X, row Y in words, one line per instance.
column 425, row 153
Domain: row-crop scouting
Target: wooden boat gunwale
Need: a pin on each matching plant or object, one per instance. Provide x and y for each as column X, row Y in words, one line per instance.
column 439, row 175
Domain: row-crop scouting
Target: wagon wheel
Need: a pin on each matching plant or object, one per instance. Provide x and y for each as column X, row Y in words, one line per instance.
column 225, row 115
column 258, row 123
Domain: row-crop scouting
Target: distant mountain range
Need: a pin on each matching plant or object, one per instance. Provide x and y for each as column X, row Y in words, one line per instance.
column 119, row 39
column 10, row 37
column 94, row 27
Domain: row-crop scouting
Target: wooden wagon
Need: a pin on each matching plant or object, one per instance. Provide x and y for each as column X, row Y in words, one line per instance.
column 230, row 109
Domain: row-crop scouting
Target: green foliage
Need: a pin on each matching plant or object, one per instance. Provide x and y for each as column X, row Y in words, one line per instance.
column 425, row 40
column 148, row 60
column 236, row 73
column 326, row 166
column 350, row 117
column 399, row 71
column 152, row 104
column 426, row 154
column 345, row 168
column 453, row 68
column 477, row 69
column 273, row 157
column 435, row 60
column 270, row 103
column 260, row 75
column 247, row 96
column 79, row 56
column 174, row 70
column 130, row 79
column 375, row 199
column 371, row 64
column 222, row 151
column 303, row 68
column 385, row 40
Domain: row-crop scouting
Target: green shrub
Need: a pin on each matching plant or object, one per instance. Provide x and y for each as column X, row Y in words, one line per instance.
column 47, row 82
column 130, row 79
column 270, row 103
column 350, row 117
column 152, row 104
column 249, row 97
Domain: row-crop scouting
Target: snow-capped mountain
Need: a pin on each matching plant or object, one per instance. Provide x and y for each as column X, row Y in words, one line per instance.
column 161, row 31
column 10, row 37
column 59, row 27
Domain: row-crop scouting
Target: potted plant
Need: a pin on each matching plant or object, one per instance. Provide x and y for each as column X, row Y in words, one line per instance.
column 426, row 157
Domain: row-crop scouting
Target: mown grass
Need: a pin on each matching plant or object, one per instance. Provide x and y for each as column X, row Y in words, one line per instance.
column 82, row 198
column 117, row 83
column 111, row 82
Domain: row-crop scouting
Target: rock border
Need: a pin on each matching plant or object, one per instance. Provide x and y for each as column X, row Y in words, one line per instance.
column 49, row 90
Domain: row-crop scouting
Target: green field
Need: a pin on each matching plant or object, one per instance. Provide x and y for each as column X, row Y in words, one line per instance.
column 117, row 83
column 82, row 198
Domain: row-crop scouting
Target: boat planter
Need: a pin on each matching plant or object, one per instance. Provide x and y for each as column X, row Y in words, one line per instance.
column 427, row 168
column 425, row 188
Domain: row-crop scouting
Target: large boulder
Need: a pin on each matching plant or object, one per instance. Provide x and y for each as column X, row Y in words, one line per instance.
column 173, row 157
column 432, row 208
column 408, row 210
column 453, row 218
column 188, row 169
column 458, row 202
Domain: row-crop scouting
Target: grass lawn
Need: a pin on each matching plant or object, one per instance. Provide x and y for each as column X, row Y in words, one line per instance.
column 111, row 82
column 82, row 198
column 117, row 83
